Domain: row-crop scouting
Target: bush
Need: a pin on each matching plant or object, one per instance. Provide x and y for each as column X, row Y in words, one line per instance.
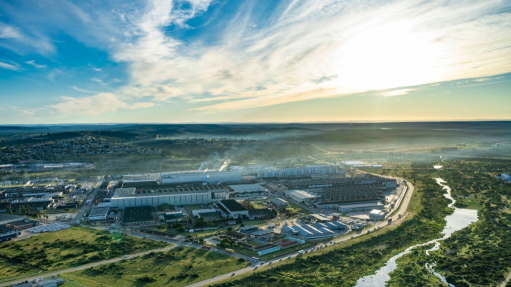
column 146, row 279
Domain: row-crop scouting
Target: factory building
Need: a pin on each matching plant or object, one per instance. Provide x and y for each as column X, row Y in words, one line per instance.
column 306, row 171
column 132, row 197
column 247, row 190
column 360, row 206
column 98, row 213
column 308, row 232
column 212, row 176
column 300, row 196
column 278, row 202
column 231, row 207
column 328, row 193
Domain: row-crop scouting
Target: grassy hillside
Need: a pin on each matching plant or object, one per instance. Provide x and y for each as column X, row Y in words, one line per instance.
column 177, row 267
column 63, row 249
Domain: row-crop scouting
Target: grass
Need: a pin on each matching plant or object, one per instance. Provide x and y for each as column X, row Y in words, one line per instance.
column 203, row 233
column 60, row 250
column 294, row 205
column 177, row 267
column 193, row 206
column 258, row 204
column 256, row 222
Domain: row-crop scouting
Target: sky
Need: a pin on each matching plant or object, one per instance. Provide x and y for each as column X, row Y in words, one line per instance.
column 202, row 61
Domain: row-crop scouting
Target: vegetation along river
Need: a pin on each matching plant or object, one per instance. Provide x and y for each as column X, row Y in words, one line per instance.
column 460, row 219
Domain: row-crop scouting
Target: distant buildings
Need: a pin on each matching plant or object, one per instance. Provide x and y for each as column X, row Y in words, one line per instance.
column 306, row 171
column 158, row 195
column 200, row 176
column 337, row 192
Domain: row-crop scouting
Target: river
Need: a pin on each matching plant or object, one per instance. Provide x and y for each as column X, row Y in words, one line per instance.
column 460, row 219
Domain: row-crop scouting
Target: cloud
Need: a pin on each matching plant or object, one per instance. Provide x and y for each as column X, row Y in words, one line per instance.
column 98, row 69
column 379, row 47
column 397, row 92
column 96, row 80
column 80, row 90
column 35, row 65
column 9, row 32
column 487, row 79
column 13, row 66
column 95, row 105
column 116, row 81
column 23, row 112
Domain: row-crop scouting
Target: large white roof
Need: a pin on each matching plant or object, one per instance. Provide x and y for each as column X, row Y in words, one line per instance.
column 301, row 194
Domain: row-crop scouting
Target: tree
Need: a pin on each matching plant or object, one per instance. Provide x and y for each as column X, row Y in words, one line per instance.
column 181, row 228
column 201, row 240
column 9, row 210
column 229, row 228
column 21, row 209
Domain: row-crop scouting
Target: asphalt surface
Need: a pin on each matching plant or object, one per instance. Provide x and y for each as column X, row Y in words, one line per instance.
column 253, row 268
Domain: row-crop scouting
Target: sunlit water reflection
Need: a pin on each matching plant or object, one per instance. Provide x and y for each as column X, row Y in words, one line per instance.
column 460, row 219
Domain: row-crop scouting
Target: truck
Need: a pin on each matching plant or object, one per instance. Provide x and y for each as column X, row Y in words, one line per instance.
column 207, row 247
column 229, row 250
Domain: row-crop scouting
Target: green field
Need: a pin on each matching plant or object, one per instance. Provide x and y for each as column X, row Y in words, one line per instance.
column 60, row 250
column 177, row 267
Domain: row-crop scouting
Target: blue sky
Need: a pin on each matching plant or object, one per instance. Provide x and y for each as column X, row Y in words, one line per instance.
column 254, row 61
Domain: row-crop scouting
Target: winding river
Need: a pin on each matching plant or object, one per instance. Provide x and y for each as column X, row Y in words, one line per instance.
column 460, row 219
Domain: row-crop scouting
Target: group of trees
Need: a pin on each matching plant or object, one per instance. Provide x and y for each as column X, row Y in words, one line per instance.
column 26, row 210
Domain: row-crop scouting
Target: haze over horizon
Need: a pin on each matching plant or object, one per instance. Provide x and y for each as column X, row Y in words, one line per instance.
column 203, row 61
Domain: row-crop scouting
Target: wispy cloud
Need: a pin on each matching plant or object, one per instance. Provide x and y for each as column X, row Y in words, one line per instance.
column 9, row 32
column 98, row 69
column 37, row 66
column 116, row 81
column 95, row 105
column 22, row 111
column 487, row 79
column 96, row 80
column 397, row 92
column 80, row 90
column 294, row 56
column 11, row 66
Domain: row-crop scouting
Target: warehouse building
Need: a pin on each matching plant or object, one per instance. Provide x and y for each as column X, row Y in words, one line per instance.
column 174, row 196
column 331, row 192
column 212, row 176
column 367, row 206
column 138, row 216
column 246, row 190
column 98, row 213
column 231, row 207
column 278, row 202
column 308, row 232
column 306, row 171
column 300, row 196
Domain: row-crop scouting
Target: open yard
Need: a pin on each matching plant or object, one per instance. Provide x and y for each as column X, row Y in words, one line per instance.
column 177, row 267
column 60, row 250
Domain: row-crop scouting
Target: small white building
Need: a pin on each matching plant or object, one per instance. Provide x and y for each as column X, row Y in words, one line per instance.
column 377, row 214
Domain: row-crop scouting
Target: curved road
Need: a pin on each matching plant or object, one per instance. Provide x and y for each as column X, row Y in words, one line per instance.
column 402, row 210
column 344, row 238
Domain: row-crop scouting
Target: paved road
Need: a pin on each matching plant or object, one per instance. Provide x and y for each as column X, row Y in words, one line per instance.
column 402, row 210
column 90, row 265
column 508, row 278
column 87, row 205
